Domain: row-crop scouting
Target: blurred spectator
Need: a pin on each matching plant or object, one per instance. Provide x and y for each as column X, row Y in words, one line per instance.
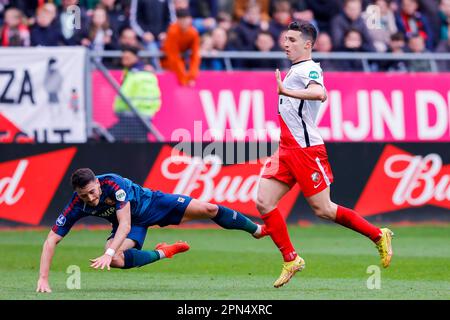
column 411, row 21
column 284, row 63
column 182, row 37
column 396, row 46
column 281, row 18
column 353, row 42
column 14, row 33
column 303, row 13
column 416, row 44
column 67, row 23
column 141, row 87
column 381, row 23
column 224, row 21
column 116, row 15
column 324, row 11
column 212, row 43
column 150, row 19
column 45, row 32
column 430, row 8
column 264, row 43
column 27, row 7
column 241, row 8
column 128, row 37
column 351, row 19
column 443, row 47
column 204, row 13
column 226, row 6
column 444, row 16
column 245, row 33
column 324, row 45
column 174, row 6
column 100, row 35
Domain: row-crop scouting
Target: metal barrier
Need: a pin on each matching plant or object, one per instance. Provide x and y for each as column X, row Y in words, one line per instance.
column 364, row 57
column 227, row 56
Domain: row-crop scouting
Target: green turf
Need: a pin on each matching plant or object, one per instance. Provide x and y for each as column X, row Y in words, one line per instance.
column 225, row 264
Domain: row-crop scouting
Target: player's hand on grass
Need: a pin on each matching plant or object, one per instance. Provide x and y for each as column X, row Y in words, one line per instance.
column 43, row 286
column 279, row 82
column 102, row 262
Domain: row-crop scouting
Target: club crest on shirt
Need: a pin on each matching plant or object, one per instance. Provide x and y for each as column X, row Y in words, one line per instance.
column 120, row 195
column 180, row 199
column 61, row 220
column 315, row 177
column 110, row 202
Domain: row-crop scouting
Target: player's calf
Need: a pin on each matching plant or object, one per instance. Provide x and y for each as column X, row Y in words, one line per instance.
column 232, row 219
column 137, row 258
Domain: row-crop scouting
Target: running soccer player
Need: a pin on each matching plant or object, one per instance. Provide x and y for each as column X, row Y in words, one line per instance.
column 302, row 157
column 131, row 209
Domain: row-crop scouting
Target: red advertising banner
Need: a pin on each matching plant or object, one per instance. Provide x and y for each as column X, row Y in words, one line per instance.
column 242, row 106
column 206, row 179
column 27, row 185
column 407, row 181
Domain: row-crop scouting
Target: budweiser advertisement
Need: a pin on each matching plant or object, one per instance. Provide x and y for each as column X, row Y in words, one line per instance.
column 402, row 182
column 242, row 106
column 27, row 185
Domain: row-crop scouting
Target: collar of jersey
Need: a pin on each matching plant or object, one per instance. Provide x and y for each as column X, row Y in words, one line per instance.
column 300, row 62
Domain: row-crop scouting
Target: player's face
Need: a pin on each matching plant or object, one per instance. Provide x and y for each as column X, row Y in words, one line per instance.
column 90, row 194
column 295, row 46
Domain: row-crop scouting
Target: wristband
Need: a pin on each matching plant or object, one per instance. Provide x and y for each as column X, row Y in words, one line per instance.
column 110, row 252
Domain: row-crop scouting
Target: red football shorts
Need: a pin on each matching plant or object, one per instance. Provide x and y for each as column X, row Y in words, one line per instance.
column 308, row 167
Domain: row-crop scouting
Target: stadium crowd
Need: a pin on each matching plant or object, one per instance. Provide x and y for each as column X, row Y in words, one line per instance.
column 389, row 26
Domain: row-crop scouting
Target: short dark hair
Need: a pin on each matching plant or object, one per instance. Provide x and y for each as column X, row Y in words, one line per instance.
column 182, row 13
column 132, row 49
column 81, row 177
column 307, row 30
column 398, row 36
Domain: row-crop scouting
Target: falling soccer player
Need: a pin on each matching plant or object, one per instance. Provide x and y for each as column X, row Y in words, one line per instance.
column 131, row 209
column 302, row 157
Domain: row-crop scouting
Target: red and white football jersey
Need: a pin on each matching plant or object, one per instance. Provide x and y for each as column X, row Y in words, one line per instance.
column 298, row 117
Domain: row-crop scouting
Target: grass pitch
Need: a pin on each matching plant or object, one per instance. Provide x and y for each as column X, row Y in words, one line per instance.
column 225, row 264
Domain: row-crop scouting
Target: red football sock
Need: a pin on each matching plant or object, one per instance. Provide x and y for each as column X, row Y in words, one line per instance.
column 350, row 219
column 278, row 232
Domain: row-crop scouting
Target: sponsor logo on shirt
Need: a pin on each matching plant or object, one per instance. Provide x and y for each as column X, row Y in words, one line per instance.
column 120, row 195
column 108, row 212
column 314, row 75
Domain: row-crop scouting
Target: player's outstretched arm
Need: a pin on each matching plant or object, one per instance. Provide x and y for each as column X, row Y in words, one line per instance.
column 313, row 92
column 124, row 219
column 48, row 250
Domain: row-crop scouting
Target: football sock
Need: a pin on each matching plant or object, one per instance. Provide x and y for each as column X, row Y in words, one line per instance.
column 277, row 230
column 231, row 219
column 139, row 258
column 350, row 219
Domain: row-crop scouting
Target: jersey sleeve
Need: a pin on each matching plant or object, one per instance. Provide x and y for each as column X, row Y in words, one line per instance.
column 311, row 73
column 71, row 214
column 117, row 189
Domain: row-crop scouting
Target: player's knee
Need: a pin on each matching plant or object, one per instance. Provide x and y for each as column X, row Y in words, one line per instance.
column 210, row 210
column 263, row 205
column 118, row 261
column 323, row 211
